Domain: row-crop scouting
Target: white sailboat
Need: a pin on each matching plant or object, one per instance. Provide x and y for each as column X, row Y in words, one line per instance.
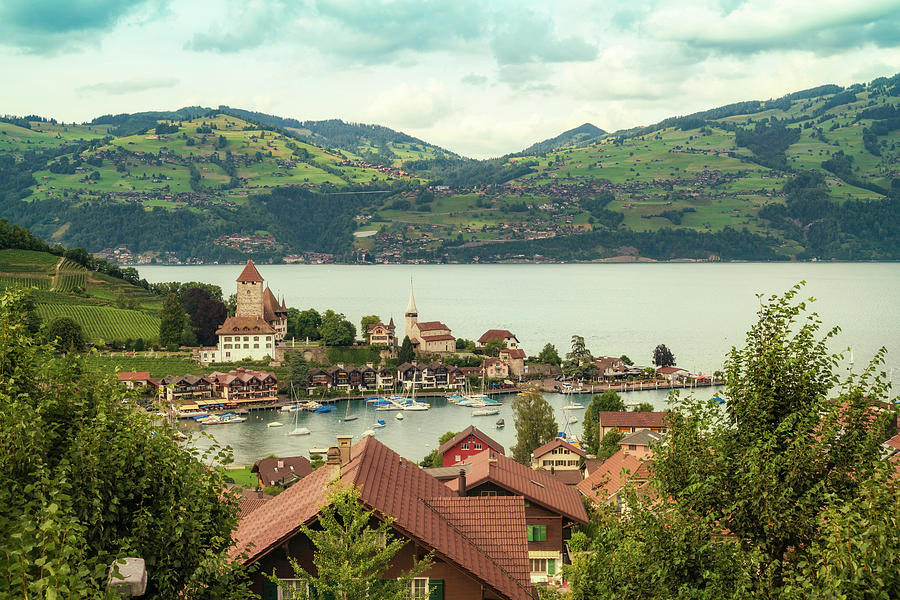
column 297, row 430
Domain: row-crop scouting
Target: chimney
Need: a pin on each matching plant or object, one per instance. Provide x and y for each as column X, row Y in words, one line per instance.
column 333, row 457
column 462, row 483
column 344, row 442
column 280, row 463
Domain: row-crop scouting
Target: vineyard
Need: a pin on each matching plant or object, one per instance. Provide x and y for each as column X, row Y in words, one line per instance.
column 70, row 281
column 105, row 323
column 24, row 281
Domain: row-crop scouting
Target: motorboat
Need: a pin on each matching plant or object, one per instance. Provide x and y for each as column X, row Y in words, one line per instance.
column 573, row 406
column 300, row 431
column 485, row 412
column 275, row 424
column 400, row 416
column 500, row 423
column 413, row 405
column 326, row 409
column 350, row 418
column 318, row 451
column 290, row 408
column 379, row 424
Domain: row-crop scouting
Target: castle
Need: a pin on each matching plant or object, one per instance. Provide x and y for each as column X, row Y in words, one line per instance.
column 259, row 322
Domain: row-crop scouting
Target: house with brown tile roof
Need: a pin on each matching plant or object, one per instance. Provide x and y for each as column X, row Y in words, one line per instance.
column 563, row 460
column 249, row 501
column 606, row 483
column 134, row 379
column 281, row 471
column 639, row 444
column 466, row 443
column 515, row 360
column 552, row 508
column 629, row 422
column 479, row 544
column 508, row 337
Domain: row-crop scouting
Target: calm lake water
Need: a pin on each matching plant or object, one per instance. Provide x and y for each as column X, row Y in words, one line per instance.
column 699, row 310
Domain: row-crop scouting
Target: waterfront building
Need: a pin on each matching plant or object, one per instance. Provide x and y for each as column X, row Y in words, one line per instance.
column 672, row 374
column 427, row 336
column 514, row 358
column 629, row 422
column 563, row 460
column 504, row 335
column 281, row 471
column 479, row 543
column 240, row 386
column 467, row 443
column 552, row 508
column 185, row 389
column 610, row 367
column 494, row 368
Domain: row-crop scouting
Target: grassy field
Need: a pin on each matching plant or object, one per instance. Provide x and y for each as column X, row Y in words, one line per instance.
column 241, row 475
column 161, row 364
column 104, row 323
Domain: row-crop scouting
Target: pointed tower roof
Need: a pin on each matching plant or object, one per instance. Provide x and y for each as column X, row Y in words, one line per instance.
column 283, row 305
column 250, row 273
column 391, row 324
column 411, row 307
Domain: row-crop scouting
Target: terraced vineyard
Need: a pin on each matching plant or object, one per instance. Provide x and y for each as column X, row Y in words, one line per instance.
column 70, row 281
column 103, row 323
column 24, row 281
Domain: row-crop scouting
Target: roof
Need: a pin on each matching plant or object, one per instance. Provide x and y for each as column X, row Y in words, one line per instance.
column 498, row 334
column 538, row 486
column 894, row 442
column 632, row 419
column 513, row 352
column 568, row 476
column 470, row 430
column 244, row 326
column 134, row 376
column 549, row 446
column 431, row 326
column 451, row 472
column 395, row 487
column 437, row 338
column 271, row 307
column 669, row 370
column 275, row 471
column 611, row 476
column 591, row 465
column 250, row 273
column 642, row 437
column 250, row 500
column 411, row 305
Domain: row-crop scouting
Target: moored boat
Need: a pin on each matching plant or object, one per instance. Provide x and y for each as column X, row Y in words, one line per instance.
column 485, row 412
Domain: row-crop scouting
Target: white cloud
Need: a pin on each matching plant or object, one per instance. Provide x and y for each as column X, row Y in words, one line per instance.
column 411, row 105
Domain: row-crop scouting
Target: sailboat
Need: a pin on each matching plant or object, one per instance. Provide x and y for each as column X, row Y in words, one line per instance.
column 297, row 430
column 347, row 415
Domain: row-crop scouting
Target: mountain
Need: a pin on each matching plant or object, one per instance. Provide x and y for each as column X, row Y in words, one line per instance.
column 581, row 134
column 812, row 174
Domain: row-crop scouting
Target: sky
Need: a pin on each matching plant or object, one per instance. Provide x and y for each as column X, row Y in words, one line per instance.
column 481, row 78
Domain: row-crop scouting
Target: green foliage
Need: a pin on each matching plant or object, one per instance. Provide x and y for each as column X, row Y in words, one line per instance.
column 205, row 313
column 663, row 357
column 549, row 355
column 298, row 370
column 644, row 407
column 535, row 424
column 434, row 458
column 364, row 325
column 352, row 549
column 353, row 355
column 103, row 322
column 493, row 346
column 173, row 322
column 86, row 479
column 578, row 361
column 406, row 352
column 624, row 358
column 65, row 334
column 304, row 324
column 608, row 401
column 336, row 330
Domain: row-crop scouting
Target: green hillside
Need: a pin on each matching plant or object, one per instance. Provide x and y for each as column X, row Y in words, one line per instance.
column 810, row 175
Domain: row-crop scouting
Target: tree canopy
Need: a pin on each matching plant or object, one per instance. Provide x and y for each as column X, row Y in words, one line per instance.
column 663, row 357
column 549, row 355
column 535, row 424
column 336, row 330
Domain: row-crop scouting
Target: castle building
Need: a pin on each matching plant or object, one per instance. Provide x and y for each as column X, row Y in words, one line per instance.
column 259, row 322
column 427, row 336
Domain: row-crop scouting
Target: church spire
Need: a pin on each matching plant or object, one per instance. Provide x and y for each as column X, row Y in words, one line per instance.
column 411, row 310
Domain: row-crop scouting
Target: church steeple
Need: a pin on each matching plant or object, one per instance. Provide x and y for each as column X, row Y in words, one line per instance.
column 411, row 310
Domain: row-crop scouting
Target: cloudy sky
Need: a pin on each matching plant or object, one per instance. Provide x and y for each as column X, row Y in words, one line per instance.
column 479, row 77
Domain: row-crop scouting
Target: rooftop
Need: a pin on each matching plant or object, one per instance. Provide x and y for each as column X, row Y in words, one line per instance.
column 469, row 431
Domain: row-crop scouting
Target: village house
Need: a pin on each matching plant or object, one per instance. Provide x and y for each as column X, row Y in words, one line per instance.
column 507, row 337
column 563, row 460
column 639, row 444
column 605, row 484
column 494, row 368
column 551, row 507
column 185, row 389
column 466, row 443
column 135, row 379
column 672, row 374
column 282, row 471
column 629, row 422
column 514, row 358
column 382, row 335
column 427, row 336
column 245, row 386
column 479, row 544
column 610, row 367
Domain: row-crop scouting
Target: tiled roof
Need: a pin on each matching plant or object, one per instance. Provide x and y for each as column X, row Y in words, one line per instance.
column 669, row 370
column 642, row 437
column 250, row 273
column 244, row 326
column 274, row 471
column 538, row 486
column 568, row 476
column 496, row 334
column 391, row 486
column 271, row 308
column 250, row 500
column 451, row 472
column 632, row 419
column 470, row 430
column 134, row 376
column 591, row 465
column 437, row 338
column 894, row 442
column 431, row 326
column 609, row 478
column 513, row 353
column 549, row 446
column 496, row 525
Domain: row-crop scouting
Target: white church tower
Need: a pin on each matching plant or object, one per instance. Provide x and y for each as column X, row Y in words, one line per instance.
column 412, row 314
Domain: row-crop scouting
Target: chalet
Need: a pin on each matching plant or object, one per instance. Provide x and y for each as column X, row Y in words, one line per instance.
column 562, row 459
column 382, row 335
column 551, row 507
column 368, row 377
column 340, row 377
column 409, row 375
column 605, row 485
column 514, row 358
column 135, row 379
column 639, row 444
column 281, row 471
column 629, row 422
column 466, row 443
column 427, row 336
column 672, row 374
column 319, row 378
column 245, row 385
column 507, row 337
column 185, row 389
column 479, row 544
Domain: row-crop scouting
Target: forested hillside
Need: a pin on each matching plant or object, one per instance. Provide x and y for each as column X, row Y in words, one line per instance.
column 813, row 174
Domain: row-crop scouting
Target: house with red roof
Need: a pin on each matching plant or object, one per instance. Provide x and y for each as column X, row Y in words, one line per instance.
column 245, row 385
column 514, row 358
column 133, row 379
column 479, row 543
column 427, row 336
column 672, row 374
column 281, row 471
column 552, row 508
column 629, row 422
column 382, row 335
column 605, row 484
column 506, row 336
column 563, row 460
column 640, row 443
column 466, row 443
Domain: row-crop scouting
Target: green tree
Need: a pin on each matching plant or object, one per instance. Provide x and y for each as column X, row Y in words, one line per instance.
column 624, row 358
column 304, row 324
column 29, row 312
column 298, row 370
column 80, row 473
column 336, row 330
column 578, row 360
column 549, row 355
column 535, row 424
column 364, row 325
column 493, row 346
column 352, row 549
column 644, row 407
column 608, row 401
column 231, row 305
column 434, row 458
column 205, row 314
column 609, row 445
column 173, row 321
column 406, row 352
column 663, row 357
column 65, row 334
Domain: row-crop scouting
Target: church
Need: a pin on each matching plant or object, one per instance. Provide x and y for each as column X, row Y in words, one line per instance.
column 427, row 336
column 259, row 322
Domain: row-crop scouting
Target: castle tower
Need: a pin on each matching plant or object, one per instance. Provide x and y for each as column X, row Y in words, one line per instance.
column 250, row 292
column 412, row 313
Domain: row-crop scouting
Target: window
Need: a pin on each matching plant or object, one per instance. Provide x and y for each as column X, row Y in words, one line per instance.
column 246, row 338
column 537, row 533
column 228, row 346
column 478, row 445
column 227, row 338
column 292, row 589
column 465, row 446
column 457, row 458
column 419, row 589
column 489, row 493
column 632, row 446
column 543, row 565
column 228, row 354
column 246, row 346
column 256, row 346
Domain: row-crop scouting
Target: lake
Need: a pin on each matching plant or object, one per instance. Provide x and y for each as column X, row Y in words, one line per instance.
column 699, row 310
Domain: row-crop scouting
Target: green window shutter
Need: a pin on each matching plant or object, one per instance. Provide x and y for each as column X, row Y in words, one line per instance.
column 270, row 590
column 435, row 589
column 530, row 529
column 551, row 566
column 540, row 534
